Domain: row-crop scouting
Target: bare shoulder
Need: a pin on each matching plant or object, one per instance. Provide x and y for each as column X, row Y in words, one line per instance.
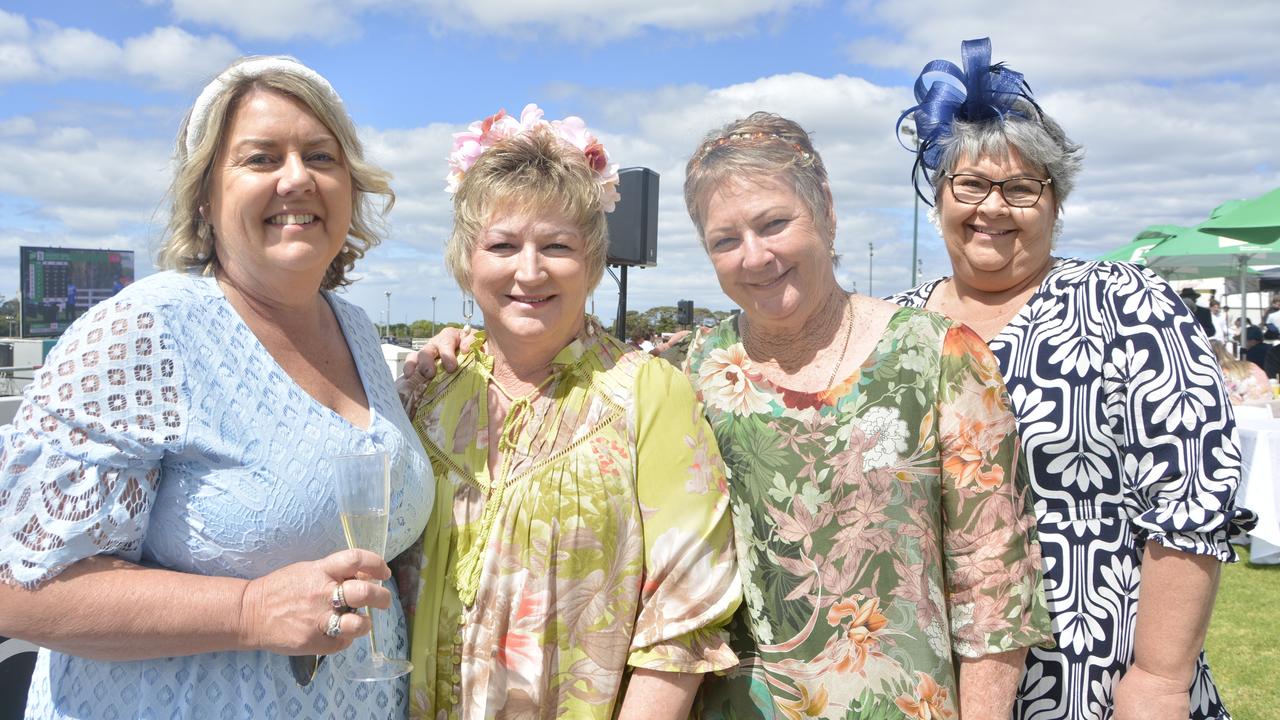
column 874, row 311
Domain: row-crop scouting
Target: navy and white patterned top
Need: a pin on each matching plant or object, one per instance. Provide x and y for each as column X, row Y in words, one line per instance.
column 161, row 431
column 1129, row 437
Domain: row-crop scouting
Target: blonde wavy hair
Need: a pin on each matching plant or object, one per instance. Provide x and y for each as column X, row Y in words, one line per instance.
column 189, row 239
column 1233, row 368
column 530, row 171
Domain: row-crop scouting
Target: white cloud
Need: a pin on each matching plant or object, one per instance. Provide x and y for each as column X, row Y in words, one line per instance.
column 13, row 26
column 87, row 183
column 1094, row 41
column 18, row 125
column 71, row 52
column 591, row 21
column 17, row 62
column 174, row 58
column 274, row 20
column 165, row 58
column 598, row 20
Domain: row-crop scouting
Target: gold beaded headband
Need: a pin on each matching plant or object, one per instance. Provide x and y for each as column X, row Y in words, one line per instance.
column 748, row 137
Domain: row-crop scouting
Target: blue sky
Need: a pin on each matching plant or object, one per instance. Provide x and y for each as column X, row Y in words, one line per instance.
column 1173, row 101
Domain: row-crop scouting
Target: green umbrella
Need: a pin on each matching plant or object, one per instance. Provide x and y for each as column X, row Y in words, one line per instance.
column 1237, row 233
column 1256, row 220
column 1193, row 253
column 1136, row 251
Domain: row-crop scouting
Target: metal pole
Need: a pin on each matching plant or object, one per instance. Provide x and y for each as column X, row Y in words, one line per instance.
column 1244, row 304
column 433, row 316
column 871, row 253
column 915, row 240
column 910, row 131
column 388, row 326
column 620, row 324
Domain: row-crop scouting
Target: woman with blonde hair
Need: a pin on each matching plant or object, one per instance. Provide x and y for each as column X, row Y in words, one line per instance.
column 172, row 537
column 579, row 562
column 1246, row 382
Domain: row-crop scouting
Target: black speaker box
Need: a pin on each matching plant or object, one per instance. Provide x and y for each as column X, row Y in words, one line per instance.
column 633, row 224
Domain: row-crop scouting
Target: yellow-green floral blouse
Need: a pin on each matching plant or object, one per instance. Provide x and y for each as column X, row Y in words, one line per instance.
column 604, row 543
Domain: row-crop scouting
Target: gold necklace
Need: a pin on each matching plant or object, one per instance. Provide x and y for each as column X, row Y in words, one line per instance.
column 848, row 331
column 748, row 332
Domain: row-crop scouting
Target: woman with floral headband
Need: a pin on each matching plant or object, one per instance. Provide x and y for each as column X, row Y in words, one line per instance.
column 1122, row 411
column 581, row 541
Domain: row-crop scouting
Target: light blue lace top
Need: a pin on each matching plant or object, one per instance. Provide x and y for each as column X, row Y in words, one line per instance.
column 161, row 431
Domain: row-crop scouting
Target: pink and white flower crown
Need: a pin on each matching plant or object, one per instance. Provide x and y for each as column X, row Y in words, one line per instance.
column 481, row 135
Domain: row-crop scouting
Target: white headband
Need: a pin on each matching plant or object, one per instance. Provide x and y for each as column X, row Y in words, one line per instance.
column 247, row 70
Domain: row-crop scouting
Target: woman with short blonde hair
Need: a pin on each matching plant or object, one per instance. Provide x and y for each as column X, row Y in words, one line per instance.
column 579, row 562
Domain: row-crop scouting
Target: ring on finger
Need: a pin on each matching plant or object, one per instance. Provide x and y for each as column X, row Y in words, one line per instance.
column 334, row 628
column 338, row 600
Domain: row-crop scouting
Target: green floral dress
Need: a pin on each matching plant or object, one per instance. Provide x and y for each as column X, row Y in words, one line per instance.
column 604, row 542
column 883, row 527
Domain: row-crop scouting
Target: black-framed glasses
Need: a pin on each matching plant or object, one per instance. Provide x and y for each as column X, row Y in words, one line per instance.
column 1021, row 192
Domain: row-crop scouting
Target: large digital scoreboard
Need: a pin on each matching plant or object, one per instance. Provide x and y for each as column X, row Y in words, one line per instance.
column 58, row 284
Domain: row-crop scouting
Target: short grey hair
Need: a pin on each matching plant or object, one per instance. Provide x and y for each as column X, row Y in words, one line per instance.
column 1040, row 141
column 761, row 145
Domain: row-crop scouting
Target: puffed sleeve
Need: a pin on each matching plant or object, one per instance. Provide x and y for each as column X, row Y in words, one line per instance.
column 690, row 588
column 1181, row 458
column 995, row 585
column 80, row 465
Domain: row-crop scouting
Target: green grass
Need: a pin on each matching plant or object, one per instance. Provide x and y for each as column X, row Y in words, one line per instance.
column 1244, row 640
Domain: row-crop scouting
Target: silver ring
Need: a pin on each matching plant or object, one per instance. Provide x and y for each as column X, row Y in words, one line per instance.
column 334, row 628
column 338, row 600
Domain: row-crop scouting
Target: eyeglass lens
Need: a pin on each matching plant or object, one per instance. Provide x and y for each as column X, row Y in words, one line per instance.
column 1018, row 192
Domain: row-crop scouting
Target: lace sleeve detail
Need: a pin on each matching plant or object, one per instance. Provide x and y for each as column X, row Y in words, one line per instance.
column 80, row 465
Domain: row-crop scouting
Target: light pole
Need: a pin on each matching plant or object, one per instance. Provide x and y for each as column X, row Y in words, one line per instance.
column 433, row 316
column 871, row 253
column 910, row 131
column 387, row 332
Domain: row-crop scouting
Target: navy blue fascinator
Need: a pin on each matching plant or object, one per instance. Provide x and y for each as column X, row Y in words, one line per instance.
column 946, row 93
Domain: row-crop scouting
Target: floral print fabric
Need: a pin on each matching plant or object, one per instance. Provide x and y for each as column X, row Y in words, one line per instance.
column 883, row 527
column 604, row 542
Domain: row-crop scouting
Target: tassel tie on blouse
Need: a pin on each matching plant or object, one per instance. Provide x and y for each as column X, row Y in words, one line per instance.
column 470, row 565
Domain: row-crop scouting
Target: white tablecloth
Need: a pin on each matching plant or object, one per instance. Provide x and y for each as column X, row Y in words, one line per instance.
column 1260, row 485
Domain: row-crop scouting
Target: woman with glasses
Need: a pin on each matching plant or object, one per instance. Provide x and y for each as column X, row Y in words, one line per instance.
column 1121, row 408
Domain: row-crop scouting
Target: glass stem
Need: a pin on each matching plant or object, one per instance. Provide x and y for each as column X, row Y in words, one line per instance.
column 374, row 655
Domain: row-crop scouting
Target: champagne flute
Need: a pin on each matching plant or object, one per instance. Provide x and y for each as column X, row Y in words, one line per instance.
column 468, row 309
column 363, row 486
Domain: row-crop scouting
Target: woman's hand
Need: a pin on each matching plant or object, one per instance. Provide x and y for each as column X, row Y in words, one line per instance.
column 445, row 347
column 1141, row 695
column 288, row 611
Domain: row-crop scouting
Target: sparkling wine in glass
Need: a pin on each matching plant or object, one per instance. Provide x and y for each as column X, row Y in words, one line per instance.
column 468, row 309
column 363, row 487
